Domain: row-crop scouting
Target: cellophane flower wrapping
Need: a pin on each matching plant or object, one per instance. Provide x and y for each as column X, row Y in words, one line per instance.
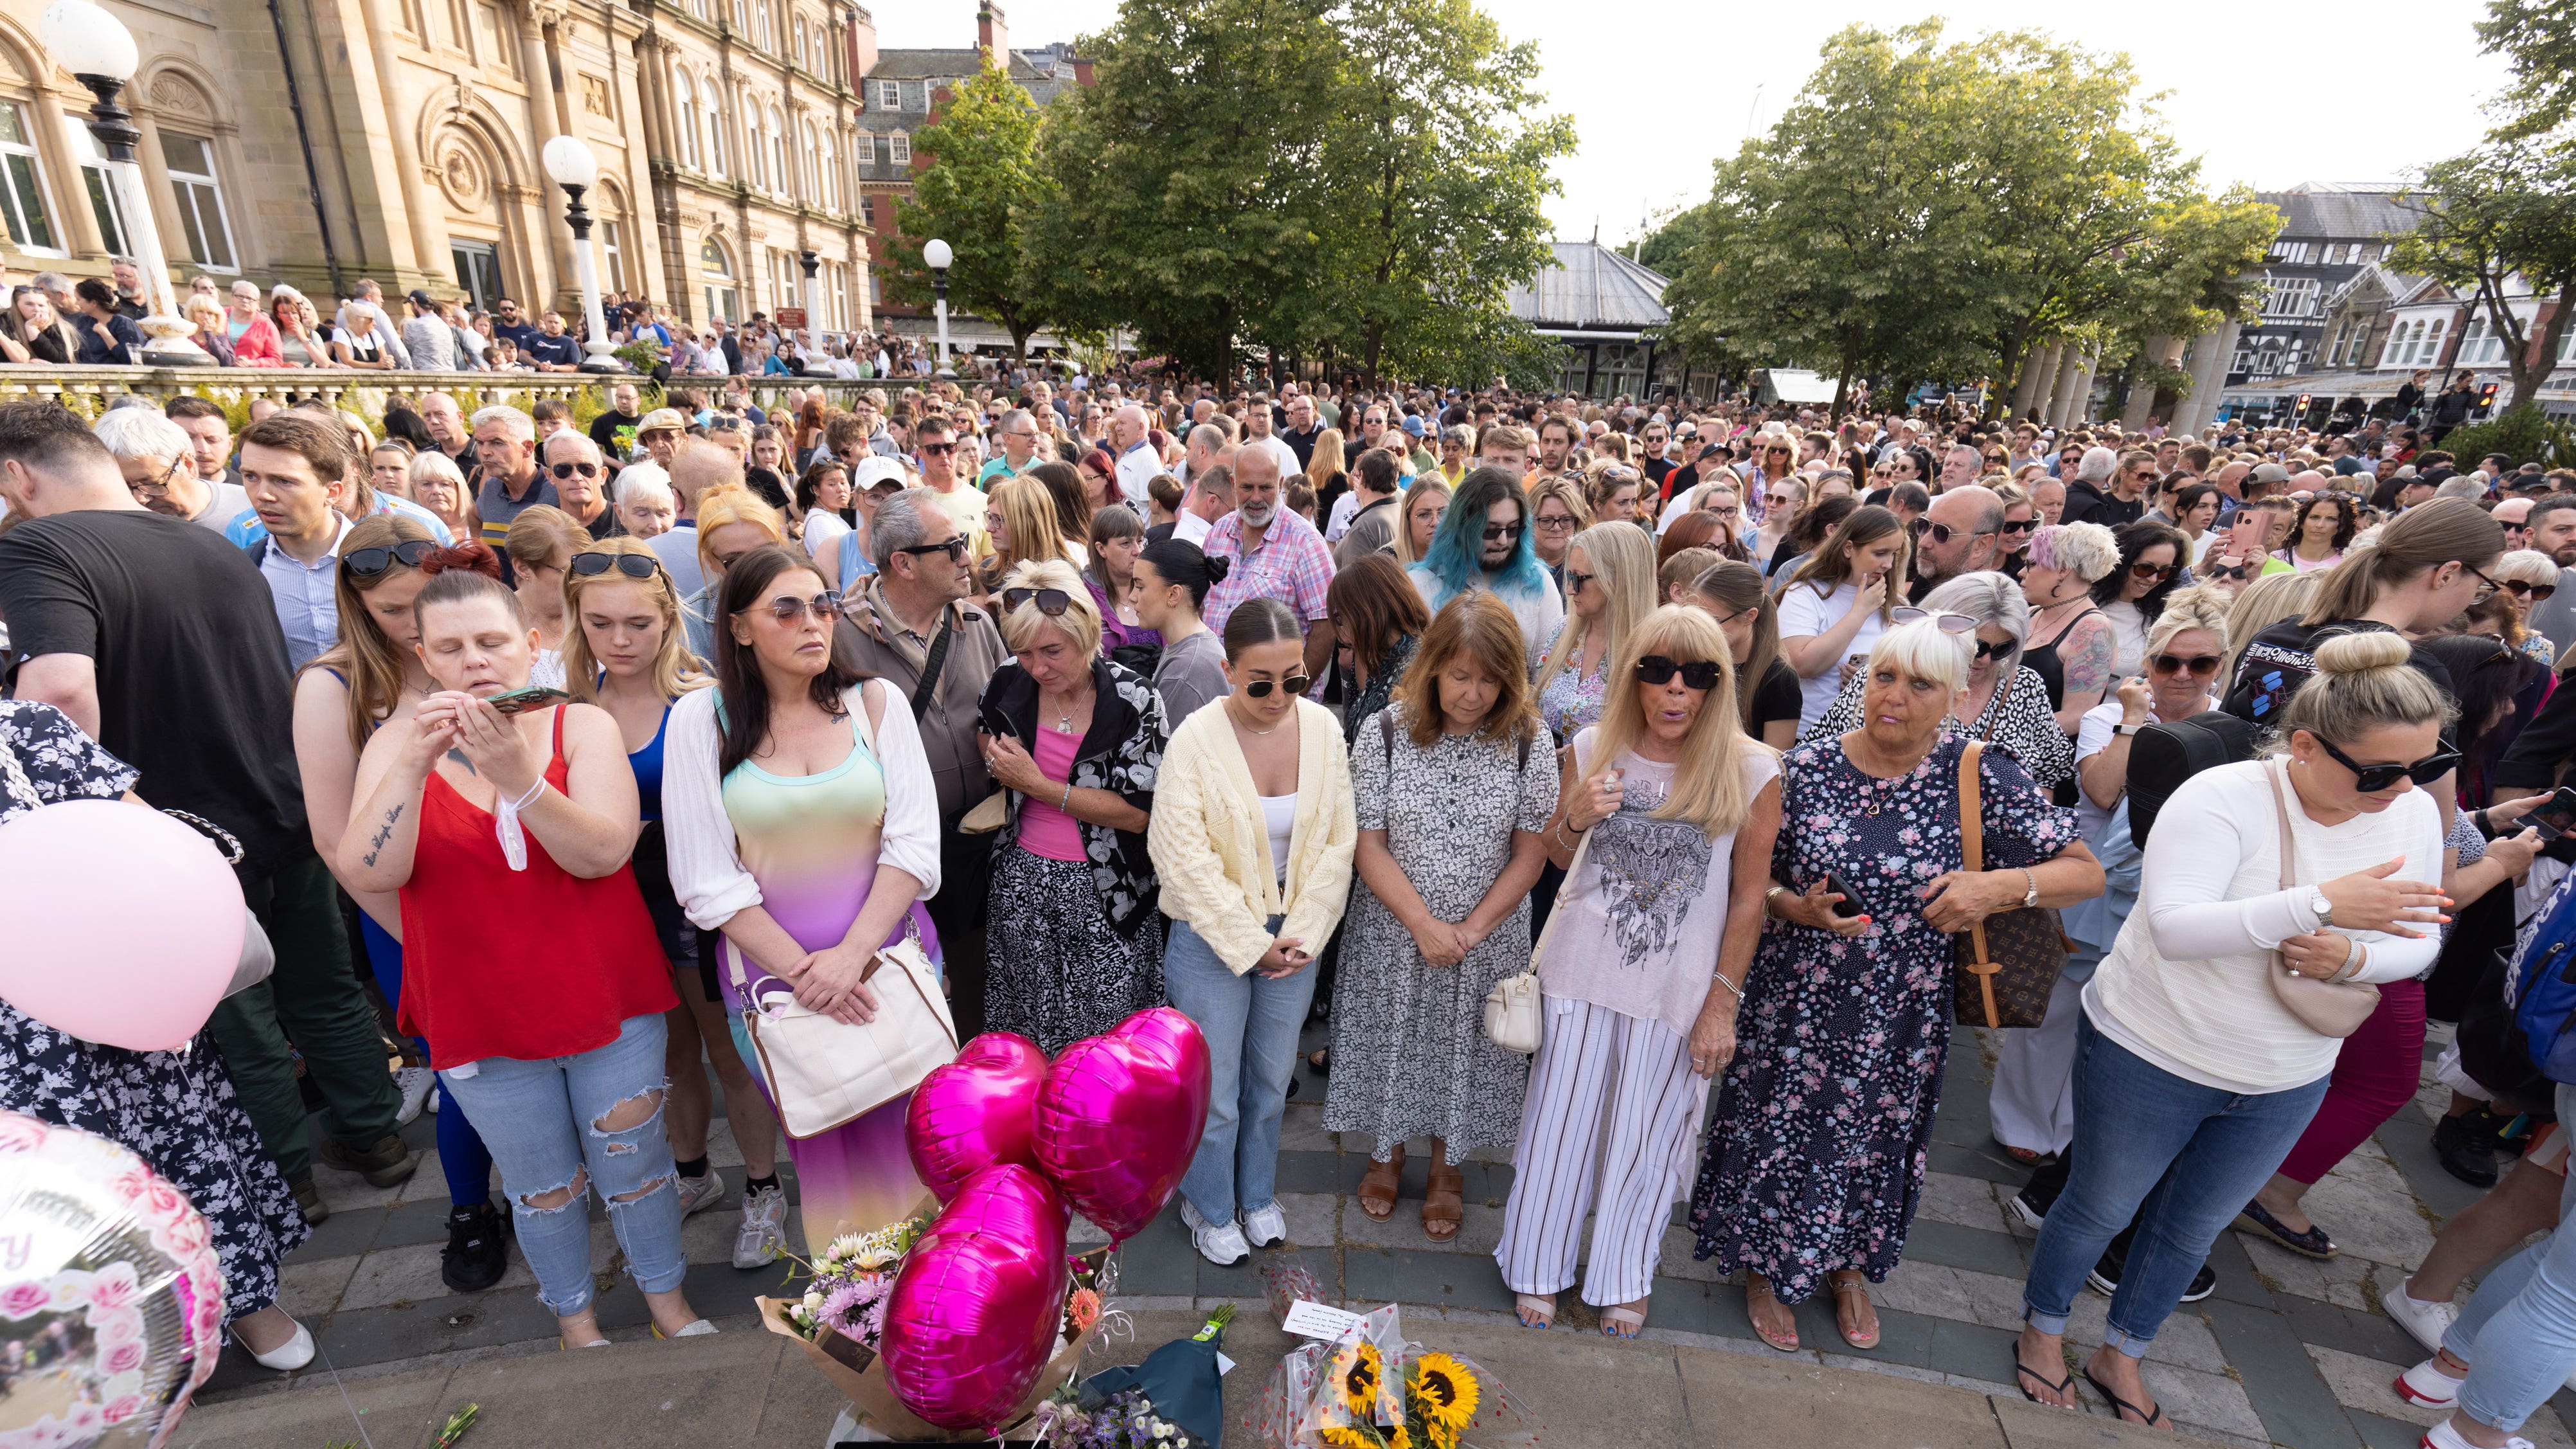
column 1353, row 1395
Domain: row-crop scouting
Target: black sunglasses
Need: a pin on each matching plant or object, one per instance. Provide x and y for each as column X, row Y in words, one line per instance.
column 2023, row 526
column 1574, row 582
column 1699, row 674
column 2370, row 779
column 2149, row 571
column 1942, row 533
column 567, row 470
column 2202, row 666
column 787, row 608
column 1051, row 602
column 955, row 548
column 368, row 563
column 633, row 565
column 2521, row 590
column 1497, row 532
column 1294, row 684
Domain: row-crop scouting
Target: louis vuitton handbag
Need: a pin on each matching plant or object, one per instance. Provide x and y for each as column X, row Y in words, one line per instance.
column 2008, row 963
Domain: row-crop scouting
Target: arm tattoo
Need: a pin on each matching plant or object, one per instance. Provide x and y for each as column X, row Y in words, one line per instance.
column 383, row 833
column 463, row 763
column 2088, row 674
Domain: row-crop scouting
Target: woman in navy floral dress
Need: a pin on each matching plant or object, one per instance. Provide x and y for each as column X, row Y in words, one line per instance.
column 1815, row 1159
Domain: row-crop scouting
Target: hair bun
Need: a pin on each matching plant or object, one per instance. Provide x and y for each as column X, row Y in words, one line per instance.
column 472, row 556
column 2358, row 653
column 1218, row 566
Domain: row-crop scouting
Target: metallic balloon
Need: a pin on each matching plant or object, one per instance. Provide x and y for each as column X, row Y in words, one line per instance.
column 111, row 1299
column 978, row 1303
column 975, row 1112
column 1119, row 1118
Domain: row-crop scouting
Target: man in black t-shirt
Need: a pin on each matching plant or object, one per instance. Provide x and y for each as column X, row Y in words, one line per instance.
column 614, row 430
column 161, row 641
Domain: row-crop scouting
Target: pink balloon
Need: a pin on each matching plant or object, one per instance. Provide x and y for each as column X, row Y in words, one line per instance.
column 975, row 1112
column 124, row 924
column 1120, row 1115
column 976, row 1306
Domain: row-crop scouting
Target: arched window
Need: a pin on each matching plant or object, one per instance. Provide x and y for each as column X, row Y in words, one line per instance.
column 715, row 131
column 754, row 156
column 811, row 157
column 715, row 275
column 760, row 32
column 830, row 171
column 802, row 35
column 687, row 102
column 778, row 179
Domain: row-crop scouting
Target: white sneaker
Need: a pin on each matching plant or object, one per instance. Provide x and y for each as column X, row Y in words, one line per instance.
column 414, row 1083
column 2427, row 1386
column 762, row 1238
column 2427, row 1321
column 1221, row 1245
column 699, row 1192
column 1266, row 1227
column 2443, row 1436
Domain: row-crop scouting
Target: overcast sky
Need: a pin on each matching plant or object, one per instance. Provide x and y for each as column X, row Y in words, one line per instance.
column 2269, row 94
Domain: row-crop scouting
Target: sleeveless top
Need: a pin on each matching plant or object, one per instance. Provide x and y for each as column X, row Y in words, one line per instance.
column 525, row 964
column 2042, row 660
column 647, row 763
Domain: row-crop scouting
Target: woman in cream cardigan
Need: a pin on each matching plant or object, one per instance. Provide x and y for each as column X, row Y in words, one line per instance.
column 1252, row 834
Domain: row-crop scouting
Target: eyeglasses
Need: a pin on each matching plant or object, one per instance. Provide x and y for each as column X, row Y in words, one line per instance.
column 1555, row 522
column 1051, row 602
column 2522, row 590
column 787, row 608
column 570, row 470
column 955, row 548
column 1726, row 512
column 1699, row 674
column 161, row 486
column 2149, row 571
column 937, row 450
column 1295, row 684
column 2202, row 666
column 2491, row 585
column 1497, row 532
column 633, row 565
column 1574, row 582
column 1949, row 623
column 2370, row 779
column 368, row 563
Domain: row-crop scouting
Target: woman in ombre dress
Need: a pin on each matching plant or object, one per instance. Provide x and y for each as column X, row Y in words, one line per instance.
column 803, row 827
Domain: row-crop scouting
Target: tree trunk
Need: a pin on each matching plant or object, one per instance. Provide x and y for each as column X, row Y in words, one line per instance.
column 2528, row 374
column 1843, row 376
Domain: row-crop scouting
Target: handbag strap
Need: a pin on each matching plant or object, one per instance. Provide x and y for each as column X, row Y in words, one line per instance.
column 2289, row 842
column 1972, row 853
column 932, row 665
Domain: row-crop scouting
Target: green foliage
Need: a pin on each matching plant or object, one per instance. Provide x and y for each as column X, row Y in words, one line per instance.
column 1667, row 248
column 982, row 190
column 2522, row 434
column 638, row 355
column 2493, row 214
column 2538, row 40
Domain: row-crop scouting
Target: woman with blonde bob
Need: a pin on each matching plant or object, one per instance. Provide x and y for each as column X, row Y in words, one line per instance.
column 1816, row 1163
column 437, row 485
column 1021, row 520
column 732, row 521
column 1417, row 521
column 1454, row 781
column 623, row 652
column 1645, row 953
column 1610, row 584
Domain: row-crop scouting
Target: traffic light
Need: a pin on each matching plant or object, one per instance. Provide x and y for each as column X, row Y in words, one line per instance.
column 2486, row 399
column 2301, row 414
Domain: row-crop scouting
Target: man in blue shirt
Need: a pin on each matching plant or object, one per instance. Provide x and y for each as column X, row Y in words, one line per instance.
column 551, row 350
column 507, row 322
column 286, row 469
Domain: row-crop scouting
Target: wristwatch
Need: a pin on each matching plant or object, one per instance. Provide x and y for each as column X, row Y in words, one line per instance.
column 2030, row 897
column 2324, row 908
column 2126, row 729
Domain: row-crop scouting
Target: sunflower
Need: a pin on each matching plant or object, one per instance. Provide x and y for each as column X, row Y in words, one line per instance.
column 1360, row 1381
column 1444, row 1392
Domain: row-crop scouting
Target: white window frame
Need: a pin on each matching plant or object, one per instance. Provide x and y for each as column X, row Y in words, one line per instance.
column 687, row 97
column 889, row 96
column 613, row 252
column 803, row 31
column 899, row 148
column 34, row 178
column 190, row 190
column 831, row 171
column 781, row 179
column 99, row 188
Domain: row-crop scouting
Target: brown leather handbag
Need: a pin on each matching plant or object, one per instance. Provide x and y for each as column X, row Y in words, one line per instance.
column 2009, row 962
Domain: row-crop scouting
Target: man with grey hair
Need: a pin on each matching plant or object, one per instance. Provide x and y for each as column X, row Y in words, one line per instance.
column 1017, row 432
column 1137, row 461
column 505, row 443
column 1957, row 535
column 1204, row 449
column 2087, row 494
column 448, row 428
column 58, row 287
column 913, row 606
column 158, row 459
column 2471, row 486
column 130, row 301
column 579, row 475
column 1210, row 498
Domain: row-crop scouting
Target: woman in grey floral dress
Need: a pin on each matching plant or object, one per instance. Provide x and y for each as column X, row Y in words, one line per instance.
column 1454, row 781
column 1076, row 939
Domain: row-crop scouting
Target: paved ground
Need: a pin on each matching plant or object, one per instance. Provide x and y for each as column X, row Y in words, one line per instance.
column 2288, row 1352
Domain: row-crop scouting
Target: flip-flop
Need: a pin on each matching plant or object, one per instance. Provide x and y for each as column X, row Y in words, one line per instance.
column 1526, row 1306
column 2025, row 1371
column 2311, row 1244
column 1615, row 1317
column 2148, row 1417
column 1787, row 1343
column 1855, row 1340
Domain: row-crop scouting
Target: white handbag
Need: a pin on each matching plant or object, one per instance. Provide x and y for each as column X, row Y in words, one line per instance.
column 823, row 1072
column 1511, row 1007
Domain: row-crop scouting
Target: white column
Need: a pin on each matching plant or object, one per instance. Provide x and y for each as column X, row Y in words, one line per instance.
column 2061, row 395
column 2035, row 361
column 2142, row 394
column 2043, row 380
column 2079, row 402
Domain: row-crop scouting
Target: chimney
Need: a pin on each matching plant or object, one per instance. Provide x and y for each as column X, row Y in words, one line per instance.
column 863, row 49
column 1081, row 71
column 992, row 36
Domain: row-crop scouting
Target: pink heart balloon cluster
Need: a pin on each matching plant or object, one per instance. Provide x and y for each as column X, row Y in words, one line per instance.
column 1005, row 1141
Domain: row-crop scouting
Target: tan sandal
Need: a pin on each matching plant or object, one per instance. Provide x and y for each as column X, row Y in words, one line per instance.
column 1845, row 1288
column 1380, row 1188
column 1444, row 1201
column 1756, row 1289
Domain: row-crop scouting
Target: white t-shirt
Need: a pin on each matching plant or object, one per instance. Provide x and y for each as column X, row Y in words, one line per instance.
column 1805, row 614
column 821, row 527
column 1188, row 527
column 1279, row 818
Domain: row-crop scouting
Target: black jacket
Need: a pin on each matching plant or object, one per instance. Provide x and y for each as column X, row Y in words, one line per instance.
column 1122, row 752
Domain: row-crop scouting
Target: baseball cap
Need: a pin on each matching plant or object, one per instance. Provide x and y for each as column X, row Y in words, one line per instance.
column 2270, row 473
column 875, row 472
column 661, row 418
column 421, row 298
column 1413, row 424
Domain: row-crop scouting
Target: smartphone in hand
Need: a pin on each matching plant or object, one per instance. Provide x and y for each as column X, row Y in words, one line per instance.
column 2555, row 816
column 1851, row 904
column 535, row 696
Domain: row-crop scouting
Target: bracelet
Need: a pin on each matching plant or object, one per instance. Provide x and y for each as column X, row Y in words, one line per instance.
column 1720, row 978
column 1068, row 797
column 2484, row 825
column 1766, row 901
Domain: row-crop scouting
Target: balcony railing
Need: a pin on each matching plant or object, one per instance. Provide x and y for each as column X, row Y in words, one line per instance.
column 90, row 390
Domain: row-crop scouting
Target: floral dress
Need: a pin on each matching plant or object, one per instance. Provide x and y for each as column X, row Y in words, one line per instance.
column 2016, row 719
column 1410, row 1057
column 176, row 1110
column 1573, row 699
column 1815, row 1159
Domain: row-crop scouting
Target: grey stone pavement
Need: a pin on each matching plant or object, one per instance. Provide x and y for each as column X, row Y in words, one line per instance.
column 2289, row 1351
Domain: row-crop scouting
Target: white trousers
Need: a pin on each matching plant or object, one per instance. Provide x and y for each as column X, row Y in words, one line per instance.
column 2033, row 1103
column 1612, row 1112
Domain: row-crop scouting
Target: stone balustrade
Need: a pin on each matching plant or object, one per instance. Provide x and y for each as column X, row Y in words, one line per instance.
column 89, row 390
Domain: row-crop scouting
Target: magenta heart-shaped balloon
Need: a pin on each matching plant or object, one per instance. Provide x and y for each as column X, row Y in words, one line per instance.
column 976, row 1112
column 977, row 1304
column 1119, row 1118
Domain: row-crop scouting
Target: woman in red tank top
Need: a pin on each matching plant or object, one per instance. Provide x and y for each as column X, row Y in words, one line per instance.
column 530, row 962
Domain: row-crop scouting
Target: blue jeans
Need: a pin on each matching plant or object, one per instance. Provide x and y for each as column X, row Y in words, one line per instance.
column 462, row 1157
column 2518, row 1334
column 1251, row 1023
column 541, row 1120
column 2193, row 1156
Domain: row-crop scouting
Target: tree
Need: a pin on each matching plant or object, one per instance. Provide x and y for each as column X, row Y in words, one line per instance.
column 2538, row 40
column 1438, row 130
column 2498, row 214
column 980, row 193
column 1666, row 247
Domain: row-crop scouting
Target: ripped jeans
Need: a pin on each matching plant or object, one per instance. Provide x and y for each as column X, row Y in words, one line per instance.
column 563, row 1126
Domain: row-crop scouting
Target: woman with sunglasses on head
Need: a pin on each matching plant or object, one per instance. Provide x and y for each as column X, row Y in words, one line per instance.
column 541, row 542
column 731, row 522
column 2525, row 579
column 1769, row 700
column 372, row 676
column 2324, row 530
column 624, row 655
column 2132, row 594
column 1664, row 825
column 1609, row 587
column 803, row 827
column 530, row 964
column 1168, row 589
column 1836, row 605
column 1810, row 1186
column 1251, row 839
column 1614, row 492
column 2191, row 1069
column 2006, row 701
column 1076, row 738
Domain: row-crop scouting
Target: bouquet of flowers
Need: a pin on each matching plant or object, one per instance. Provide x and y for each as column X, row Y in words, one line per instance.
column 1175, row 1399
column 843, row 1309
column 1374, row 1389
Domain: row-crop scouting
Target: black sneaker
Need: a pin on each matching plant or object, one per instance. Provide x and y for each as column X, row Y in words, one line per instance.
column 2105, row 1277
column 2030, row 1206
column 388, row 1162
column 475, row 1256
column 2465, row 1152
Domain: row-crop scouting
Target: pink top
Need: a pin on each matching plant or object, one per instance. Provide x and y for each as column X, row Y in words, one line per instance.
column 1045, row 830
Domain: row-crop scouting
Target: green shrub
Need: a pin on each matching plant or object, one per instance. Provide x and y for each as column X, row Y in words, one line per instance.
column 2525, row 435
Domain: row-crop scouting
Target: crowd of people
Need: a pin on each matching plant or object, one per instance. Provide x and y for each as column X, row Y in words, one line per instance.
column 56, row 320
column 1730, row 724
